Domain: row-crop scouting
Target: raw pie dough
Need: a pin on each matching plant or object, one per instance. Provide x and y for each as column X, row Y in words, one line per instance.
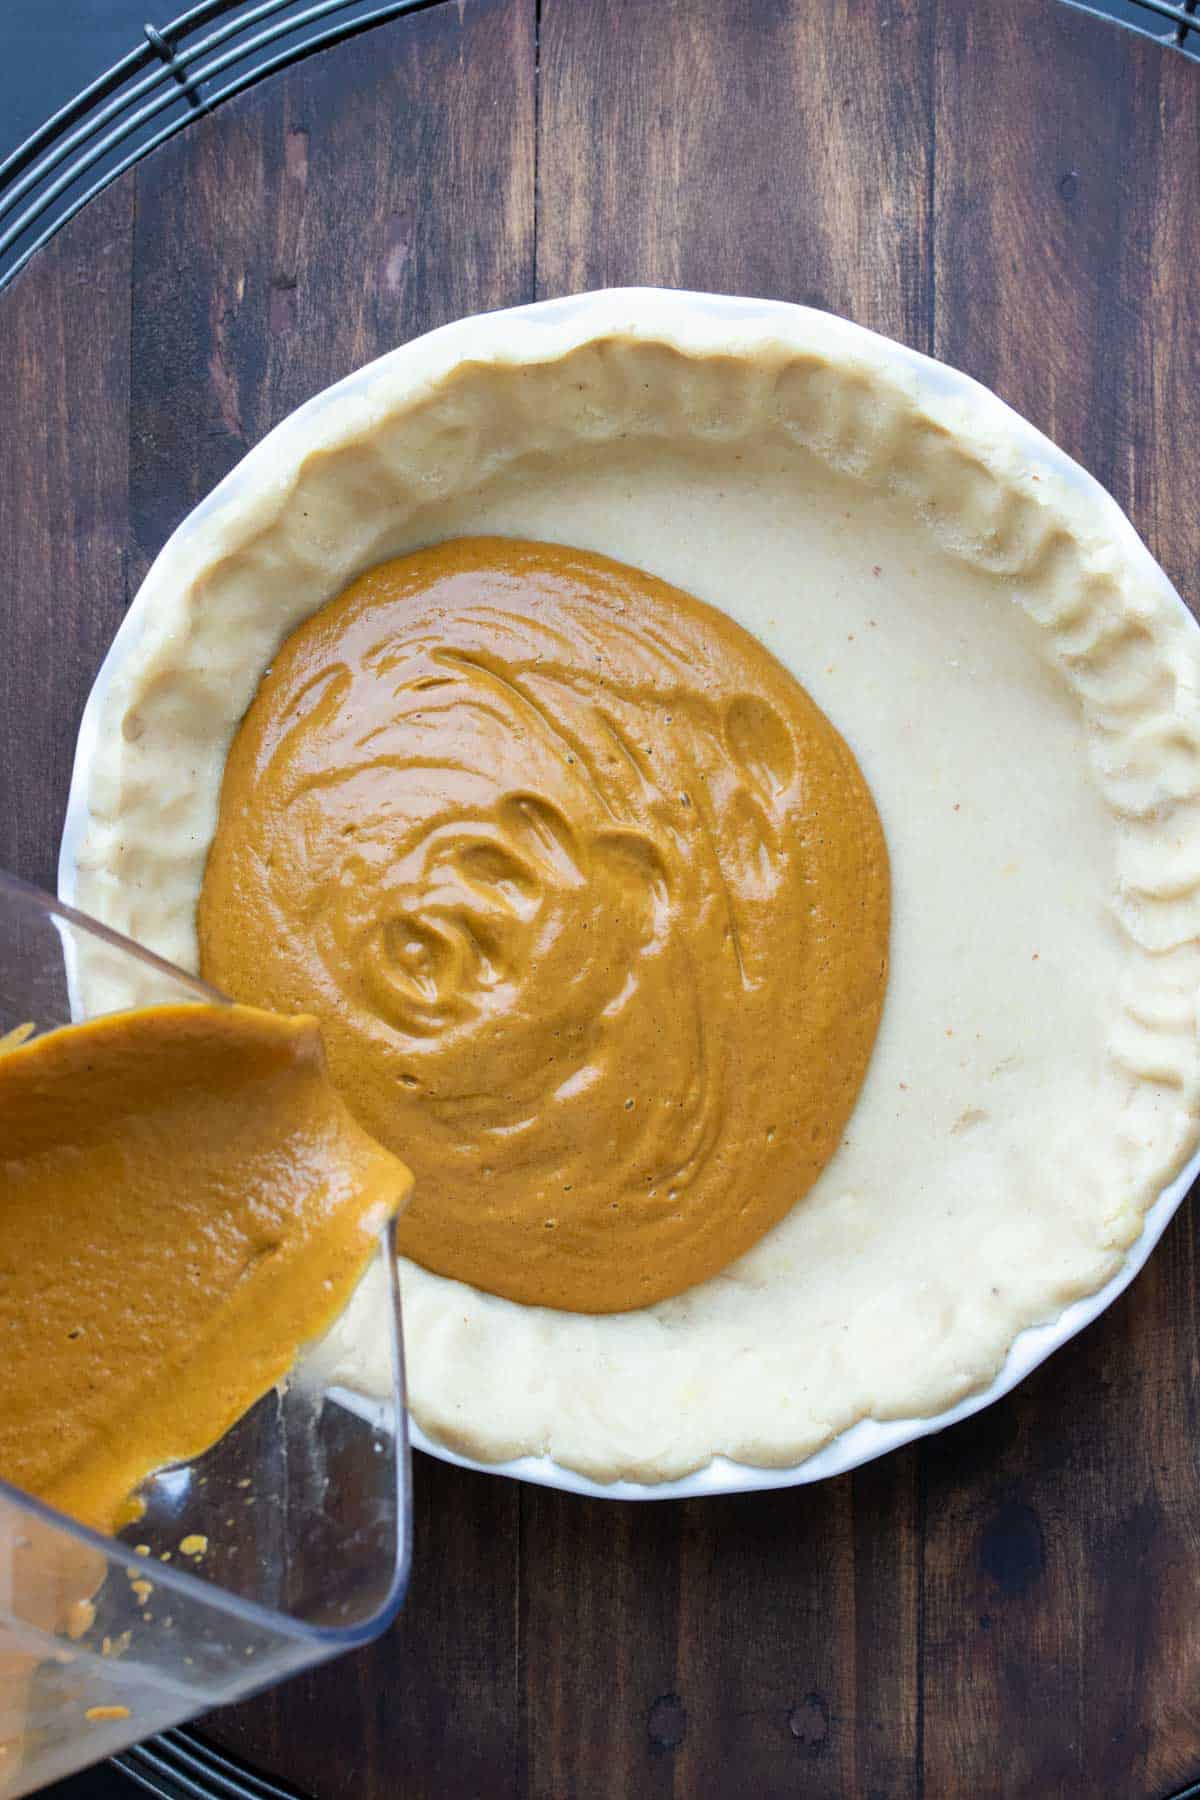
column 1019, row 684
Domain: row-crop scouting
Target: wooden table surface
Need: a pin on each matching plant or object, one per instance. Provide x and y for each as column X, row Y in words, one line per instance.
column 1013, row 1608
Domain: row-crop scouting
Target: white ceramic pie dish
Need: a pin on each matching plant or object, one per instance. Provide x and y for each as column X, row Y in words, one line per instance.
column 868, row 1438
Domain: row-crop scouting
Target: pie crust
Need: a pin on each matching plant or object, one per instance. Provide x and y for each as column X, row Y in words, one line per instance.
column 1018, row 681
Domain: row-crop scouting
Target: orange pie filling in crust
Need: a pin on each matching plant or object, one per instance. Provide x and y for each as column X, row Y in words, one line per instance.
column 589, row 897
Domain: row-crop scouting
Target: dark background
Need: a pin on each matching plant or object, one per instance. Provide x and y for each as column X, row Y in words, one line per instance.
column 49, row 49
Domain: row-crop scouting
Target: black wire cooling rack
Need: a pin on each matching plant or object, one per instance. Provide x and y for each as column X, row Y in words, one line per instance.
column 179, row 1766
column 182, row 70
column 177, row 73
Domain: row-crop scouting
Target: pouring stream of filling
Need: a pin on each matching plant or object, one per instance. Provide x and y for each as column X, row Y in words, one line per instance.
column 590, row 899
column 184, row 1203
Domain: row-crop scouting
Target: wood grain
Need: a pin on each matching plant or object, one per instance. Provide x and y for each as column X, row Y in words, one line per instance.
column 334, row 212
column 777, row 149
column 64, row 461
column 1010, row 1610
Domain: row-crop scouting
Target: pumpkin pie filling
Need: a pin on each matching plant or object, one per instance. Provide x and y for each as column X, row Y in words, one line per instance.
column 590, row 899
column 184, row 1203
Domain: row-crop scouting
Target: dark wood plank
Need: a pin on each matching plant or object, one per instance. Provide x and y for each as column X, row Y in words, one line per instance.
column 64, row 402
column 763, row 1645
column 734, row 1645
column 1062, row 1586
column 1027, row 184
column 1157, row 400
column 430, row 1711
column 776, row 149
column 362, row 198
column 354, row 202
column 600, row 1607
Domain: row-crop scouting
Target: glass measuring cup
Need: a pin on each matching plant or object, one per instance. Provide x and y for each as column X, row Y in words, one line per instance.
column 284, row 1544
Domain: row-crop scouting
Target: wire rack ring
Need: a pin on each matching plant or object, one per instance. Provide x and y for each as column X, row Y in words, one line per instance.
column 177, row 73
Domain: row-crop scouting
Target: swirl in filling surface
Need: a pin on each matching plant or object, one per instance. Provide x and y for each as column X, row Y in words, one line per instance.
column 590, row 898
